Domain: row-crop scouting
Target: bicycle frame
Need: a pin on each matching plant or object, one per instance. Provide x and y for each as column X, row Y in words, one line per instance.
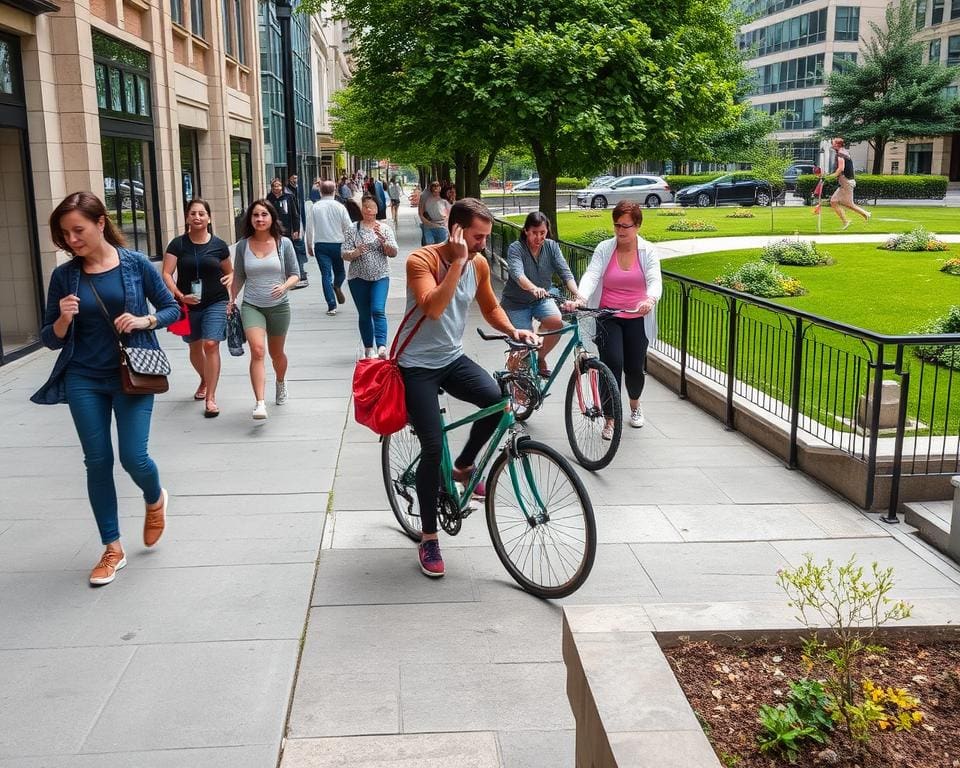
column 573, row 344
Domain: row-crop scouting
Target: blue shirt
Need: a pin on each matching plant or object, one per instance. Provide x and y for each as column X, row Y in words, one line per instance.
column 96, row 352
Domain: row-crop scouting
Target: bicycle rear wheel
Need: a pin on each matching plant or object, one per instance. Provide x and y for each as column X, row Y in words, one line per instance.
column 552, row 555
column 399, row 456
column 592, row 397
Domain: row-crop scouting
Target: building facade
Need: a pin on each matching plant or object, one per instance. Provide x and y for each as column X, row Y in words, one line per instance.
column 938, row 27
column 794, row 46
column 147, row 103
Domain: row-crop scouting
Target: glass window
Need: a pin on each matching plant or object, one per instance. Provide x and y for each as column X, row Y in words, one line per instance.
column 840, row 58
column 804, row 30
column 936, row 16
column 176, row 11
column 116, row 92
column 920, row 158
column 953, row 51
column 847, row 23
column 6, row 68
column 950, row 92
column 227, row 27
column 954, row 9
column 933, row 52
column 128, row 188
column 100, row 72
column 143, row 95
column 238, row 18
column 130, row 93
column 196, row 18
column 921, row 13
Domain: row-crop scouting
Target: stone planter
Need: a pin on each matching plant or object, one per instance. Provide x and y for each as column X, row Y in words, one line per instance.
column 630, row 709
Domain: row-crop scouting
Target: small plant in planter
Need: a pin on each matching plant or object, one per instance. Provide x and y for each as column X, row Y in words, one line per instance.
column 760, row 278
column 672, row 212
column 951, row 266
column 851, row 606
column 798, row 253
column 741, row 213
column 917, row 239
column 941, row 354
column 691, row 225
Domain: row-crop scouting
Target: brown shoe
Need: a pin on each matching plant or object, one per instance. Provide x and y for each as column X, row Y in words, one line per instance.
column 154, row 522
column 341, row 299
column 106, row 570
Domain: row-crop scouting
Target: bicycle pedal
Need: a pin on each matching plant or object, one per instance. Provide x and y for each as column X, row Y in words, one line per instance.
column 468, row 510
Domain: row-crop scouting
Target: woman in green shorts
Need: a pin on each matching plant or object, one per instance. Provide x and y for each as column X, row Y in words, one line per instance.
column 265, row 267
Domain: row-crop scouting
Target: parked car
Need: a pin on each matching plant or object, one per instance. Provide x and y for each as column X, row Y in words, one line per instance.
column 530, row 185
column 797, row 169
column 647, row 190
column 601, row 181
column 734, row 189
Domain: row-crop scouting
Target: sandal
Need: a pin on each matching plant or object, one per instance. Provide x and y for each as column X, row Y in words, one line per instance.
column 211, row 411
column 201, row 393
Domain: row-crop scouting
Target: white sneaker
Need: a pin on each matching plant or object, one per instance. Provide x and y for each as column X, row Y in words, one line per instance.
column 368, row 353
column 869, row 215
column 281, row 392
column 260, row 412
column 332, row 312
column 636, row 417
column 846, row 226
column 382, row 353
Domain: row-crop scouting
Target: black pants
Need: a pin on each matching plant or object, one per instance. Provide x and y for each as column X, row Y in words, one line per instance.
column 622, row 344
column 464, row 380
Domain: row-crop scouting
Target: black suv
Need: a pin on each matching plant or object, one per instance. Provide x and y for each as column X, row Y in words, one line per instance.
column 797, row 169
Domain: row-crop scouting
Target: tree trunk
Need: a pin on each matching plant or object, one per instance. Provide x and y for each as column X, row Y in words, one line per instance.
column 879, row 148
column 461, row 161
column 548, row 170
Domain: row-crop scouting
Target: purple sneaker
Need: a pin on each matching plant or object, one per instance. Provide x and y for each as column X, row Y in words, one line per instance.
column 431, row 561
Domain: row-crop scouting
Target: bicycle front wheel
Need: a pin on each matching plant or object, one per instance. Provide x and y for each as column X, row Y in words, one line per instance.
column 593, row 397
column 399, row 456
column 540, row 520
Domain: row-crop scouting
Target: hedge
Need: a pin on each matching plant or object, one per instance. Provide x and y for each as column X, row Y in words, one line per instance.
column 871, row 187
column 571, row 182
column 679, row 182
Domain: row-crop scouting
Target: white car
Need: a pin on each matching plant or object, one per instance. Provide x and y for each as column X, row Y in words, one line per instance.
column 530, row 185
column 650, row 191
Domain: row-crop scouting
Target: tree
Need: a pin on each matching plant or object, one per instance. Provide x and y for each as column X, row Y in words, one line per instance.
column 769, row 161
column 889, row 94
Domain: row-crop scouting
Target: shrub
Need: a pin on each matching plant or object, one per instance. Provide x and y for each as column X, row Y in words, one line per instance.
column 741, row 213
column 917, row 239
column 591, row 238
column 680, row 181
column 761, row 278
column 798, row 253
column 672, row 212
column 951, row 266
column 941, row 354
column 572, row 182
column 691, row 225
column 876, row 187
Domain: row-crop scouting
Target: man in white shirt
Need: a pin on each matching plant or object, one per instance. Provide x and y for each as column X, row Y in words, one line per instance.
column 326, row 221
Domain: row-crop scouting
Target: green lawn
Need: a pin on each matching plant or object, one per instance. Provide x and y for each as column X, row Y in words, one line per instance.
column 787, row 221
column 884, row 291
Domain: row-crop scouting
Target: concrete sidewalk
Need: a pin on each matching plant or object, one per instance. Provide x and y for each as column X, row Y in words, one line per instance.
column 190, row 658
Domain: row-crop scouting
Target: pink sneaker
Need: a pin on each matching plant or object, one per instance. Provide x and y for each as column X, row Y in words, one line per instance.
column 431, row 561
column 463, row 476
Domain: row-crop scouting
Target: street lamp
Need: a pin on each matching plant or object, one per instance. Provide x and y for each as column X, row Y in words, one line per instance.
column 284, row 17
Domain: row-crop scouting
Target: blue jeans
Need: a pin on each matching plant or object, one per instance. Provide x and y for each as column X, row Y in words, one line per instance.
column 92, row 401
column 370, row 296
column 434, row 235
column 331, row 269
column 300, row 248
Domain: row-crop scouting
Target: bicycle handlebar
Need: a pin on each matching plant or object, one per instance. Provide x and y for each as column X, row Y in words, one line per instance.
column 503, row 337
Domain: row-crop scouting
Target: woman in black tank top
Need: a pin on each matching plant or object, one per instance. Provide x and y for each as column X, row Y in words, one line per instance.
column 843, row 196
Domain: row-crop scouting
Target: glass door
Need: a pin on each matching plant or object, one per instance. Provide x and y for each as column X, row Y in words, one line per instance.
column 128, row 190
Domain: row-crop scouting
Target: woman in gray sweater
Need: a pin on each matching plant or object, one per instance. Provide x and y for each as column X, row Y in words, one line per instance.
column 265, row 267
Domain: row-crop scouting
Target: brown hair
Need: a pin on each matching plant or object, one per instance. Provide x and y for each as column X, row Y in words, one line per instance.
column 630, row 208
column 536, row 219
column 90, row 207
column 464, row 211
column 276, row 228
column 193, row 202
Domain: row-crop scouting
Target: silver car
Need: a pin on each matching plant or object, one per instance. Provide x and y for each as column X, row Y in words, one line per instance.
column 647, row 190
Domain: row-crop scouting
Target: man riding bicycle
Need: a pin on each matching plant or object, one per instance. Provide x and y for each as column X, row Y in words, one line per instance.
column 442, row 281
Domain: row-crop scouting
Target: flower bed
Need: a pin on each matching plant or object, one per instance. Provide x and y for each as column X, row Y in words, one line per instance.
column 917, row 239
column 951, row 267
column 798, row 253
column 727, row 685
column 672, row 213
column 760, row 278
column 741, row 213
column 691, row 225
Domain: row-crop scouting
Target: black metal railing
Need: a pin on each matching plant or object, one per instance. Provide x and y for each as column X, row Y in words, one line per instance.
column 813, row 374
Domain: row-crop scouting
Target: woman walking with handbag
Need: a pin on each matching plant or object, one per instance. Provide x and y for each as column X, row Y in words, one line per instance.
column 97, row 302
column 265, row 267
column 367, row 246
column 204, row 273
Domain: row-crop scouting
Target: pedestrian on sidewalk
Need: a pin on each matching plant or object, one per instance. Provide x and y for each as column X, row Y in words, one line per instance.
column 442, row 282
column 327, row 222
column 624, row 272
column 204, row 272
column 265, row 268
column 532, row 263
column 285, row 204
column 846, row 183
column 86, row 374
column 367, row 246
column 434, row 210
column 380, row 195
column 293, row 187
column 396, row 192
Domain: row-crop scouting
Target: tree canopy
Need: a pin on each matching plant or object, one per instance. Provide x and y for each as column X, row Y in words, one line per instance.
column 889, row 94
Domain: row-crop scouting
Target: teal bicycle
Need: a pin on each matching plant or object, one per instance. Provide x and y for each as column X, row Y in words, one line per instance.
column 593, row 413
column 539, row 515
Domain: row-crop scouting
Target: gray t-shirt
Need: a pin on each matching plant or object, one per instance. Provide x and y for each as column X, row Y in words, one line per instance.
column 539, row 271
column 439, row 342
column 258, row 276
column 436, row 210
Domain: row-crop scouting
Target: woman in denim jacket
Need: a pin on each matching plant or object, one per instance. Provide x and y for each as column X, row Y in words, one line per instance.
column 86, row 375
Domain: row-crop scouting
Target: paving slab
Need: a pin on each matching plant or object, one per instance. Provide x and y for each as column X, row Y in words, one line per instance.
column 537, row 749
column 423, row 750
column 257, row 756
